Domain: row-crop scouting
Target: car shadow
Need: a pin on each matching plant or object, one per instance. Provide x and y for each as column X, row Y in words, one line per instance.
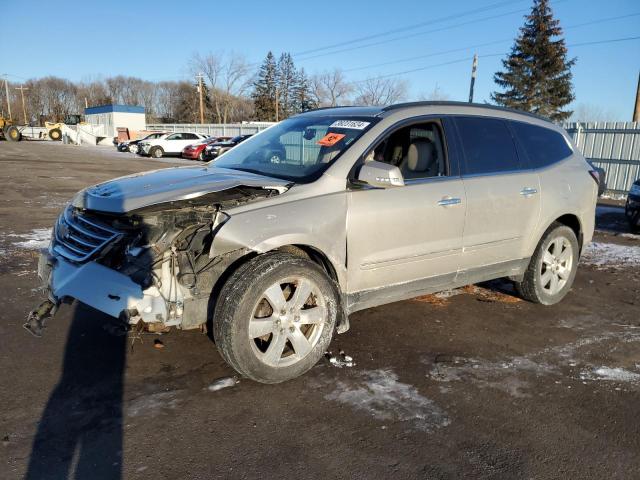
column 80, row 431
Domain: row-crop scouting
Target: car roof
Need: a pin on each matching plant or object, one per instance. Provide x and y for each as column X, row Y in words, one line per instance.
column 380, row 111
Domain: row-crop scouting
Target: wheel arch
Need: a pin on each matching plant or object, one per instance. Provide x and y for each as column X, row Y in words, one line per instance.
column 570, row 220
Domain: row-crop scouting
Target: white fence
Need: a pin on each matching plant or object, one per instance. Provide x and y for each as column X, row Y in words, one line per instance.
column 213, row 129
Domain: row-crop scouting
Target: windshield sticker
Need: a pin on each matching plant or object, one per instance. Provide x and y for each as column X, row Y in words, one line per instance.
column 330, row 139
column 355, row 124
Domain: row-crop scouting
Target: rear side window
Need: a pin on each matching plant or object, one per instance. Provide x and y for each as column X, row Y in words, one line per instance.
column 488, row 145
column 542, row 145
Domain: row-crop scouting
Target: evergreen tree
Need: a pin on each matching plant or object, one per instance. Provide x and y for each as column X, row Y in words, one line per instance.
column 264, row 90
column 303, row 98
column 537, row 74
column 287, row 77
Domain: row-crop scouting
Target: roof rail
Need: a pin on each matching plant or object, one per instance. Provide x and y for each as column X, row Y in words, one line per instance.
column 461, row 104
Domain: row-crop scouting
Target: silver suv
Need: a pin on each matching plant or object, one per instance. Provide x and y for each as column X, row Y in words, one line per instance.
column 272, row 246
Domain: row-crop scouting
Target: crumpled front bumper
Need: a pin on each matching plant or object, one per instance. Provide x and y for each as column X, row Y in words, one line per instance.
column 100, row 287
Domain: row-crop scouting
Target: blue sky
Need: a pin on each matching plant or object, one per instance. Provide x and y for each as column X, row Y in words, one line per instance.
column 82, row 40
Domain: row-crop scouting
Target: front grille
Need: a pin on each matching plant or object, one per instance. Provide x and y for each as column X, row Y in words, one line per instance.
column 78, row 237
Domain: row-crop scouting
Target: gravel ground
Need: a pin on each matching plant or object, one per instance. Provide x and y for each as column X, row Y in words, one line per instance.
column 471, row 383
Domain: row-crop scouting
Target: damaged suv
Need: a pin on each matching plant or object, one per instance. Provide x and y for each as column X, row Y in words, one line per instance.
column 272, row 245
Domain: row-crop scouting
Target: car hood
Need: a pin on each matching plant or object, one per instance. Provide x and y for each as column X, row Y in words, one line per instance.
column 141, row 190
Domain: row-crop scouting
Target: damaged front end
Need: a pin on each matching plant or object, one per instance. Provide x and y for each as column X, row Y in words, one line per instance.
column 153, row 264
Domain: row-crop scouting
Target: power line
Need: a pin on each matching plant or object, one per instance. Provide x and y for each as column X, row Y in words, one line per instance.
column 408, row 27
column 470, row 47
column 466, row 59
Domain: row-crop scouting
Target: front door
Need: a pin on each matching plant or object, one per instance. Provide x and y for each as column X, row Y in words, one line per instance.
column 411, row 233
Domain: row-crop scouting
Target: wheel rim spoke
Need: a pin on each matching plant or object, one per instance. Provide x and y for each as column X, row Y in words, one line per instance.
column 276, row 347
column 299, row 342
column 553, row 286
column 563, row 273
column 547, row 258
column 275, row 297
column 546, row 277
column 259, row 327
column 565, row 256
column 303, row 290
column 313, row 315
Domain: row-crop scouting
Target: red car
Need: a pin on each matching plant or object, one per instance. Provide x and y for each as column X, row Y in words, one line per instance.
column 196, row 151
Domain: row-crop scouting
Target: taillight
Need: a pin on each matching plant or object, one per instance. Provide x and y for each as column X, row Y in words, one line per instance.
column 595, row 175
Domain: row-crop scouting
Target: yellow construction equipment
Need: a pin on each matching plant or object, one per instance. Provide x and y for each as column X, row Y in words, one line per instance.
column 9, row 130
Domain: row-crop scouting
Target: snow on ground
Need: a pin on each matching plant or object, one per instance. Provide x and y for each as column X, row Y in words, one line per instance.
column 34, row 240
column 611, row 255
column 380, row 394
column 611, row 374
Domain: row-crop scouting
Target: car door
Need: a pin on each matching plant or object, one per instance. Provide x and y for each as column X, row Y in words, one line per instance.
column 172, row 144
column 503, row 194
column 410, row 234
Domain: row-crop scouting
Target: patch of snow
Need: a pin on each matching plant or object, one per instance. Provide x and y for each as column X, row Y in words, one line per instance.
column 34, row 240
column 611, row 255
column 381, row 395
column 149, row 404
column 611, row 374
column 224, row 382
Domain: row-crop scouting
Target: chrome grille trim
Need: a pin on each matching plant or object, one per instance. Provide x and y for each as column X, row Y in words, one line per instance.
column 77, row 238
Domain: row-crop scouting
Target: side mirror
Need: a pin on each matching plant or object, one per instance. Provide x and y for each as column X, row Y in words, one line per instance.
column 379, row 174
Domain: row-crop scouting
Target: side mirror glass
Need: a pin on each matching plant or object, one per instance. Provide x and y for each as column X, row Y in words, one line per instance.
column 379, row 174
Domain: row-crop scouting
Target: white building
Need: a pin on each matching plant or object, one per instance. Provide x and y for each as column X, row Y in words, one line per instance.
column 112, row 117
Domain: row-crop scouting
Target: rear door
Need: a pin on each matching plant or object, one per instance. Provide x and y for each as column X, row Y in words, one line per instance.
column 411, row 233
column 503, row 194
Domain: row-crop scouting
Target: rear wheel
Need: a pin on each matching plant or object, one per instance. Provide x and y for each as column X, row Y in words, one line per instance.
column 275, row 318
column 55, row 134
column 552, row 268
column 13, row 134
column 156, row 152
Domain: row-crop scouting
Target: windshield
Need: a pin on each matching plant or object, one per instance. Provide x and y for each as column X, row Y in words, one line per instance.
column 297, row 149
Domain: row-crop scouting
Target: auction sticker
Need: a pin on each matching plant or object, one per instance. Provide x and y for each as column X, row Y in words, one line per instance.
column 330, row 139
column 355, row 124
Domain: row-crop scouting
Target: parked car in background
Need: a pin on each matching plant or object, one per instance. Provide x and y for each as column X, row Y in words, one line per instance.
column 132, row 145
column 214, row 150
column 602, row 178
column 632, row 207
column 195, row 151
column 168, row 144
column 368, row 206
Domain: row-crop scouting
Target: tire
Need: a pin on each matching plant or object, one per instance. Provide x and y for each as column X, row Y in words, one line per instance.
column 291, row 343
column 156, row 152
column 55, row 134
column 550, row 273
column 13, row 134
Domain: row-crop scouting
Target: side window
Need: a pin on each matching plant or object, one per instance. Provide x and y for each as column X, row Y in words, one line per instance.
column 488, row 145
column 541, row 145
column 418, row 150
column 175, row 136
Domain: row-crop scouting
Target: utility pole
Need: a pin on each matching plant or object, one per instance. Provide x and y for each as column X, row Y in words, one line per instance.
column 474, row 67
column 199, row 77
column 24, row 110
column 636, row 110
column 86, row 102
column 277, row 104
column 6, row 89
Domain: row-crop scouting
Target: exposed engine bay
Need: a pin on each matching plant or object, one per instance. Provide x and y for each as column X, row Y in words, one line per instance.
column 154, row 264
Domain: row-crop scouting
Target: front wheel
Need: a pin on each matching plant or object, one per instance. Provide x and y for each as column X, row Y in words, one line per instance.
column 13, row 134
column 275, row 317
column 552, row 268
column 55, row 134
column 156, row 152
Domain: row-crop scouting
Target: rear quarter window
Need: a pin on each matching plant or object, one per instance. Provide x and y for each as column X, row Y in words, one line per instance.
column 488, row 146
column 542, row 146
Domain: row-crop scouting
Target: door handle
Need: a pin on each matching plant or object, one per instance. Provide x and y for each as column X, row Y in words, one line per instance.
column 528, row 191
column 447, row 201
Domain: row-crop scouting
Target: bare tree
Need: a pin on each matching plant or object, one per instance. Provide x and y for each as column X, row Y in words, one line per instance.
column 330, row 89
column 437, row 94
column 589, row 112
column 380, row 91
column 228, row 77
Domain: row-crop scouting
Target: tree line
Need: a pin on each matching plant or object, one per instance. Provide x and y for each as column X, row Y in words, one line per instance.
column 536, row 77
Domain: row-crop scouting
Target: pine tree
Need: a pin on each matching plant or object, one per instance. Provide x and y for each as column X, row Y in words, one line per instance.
column 303, row 99
column 537, row 74
column 264, row 90
column 287, row 77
